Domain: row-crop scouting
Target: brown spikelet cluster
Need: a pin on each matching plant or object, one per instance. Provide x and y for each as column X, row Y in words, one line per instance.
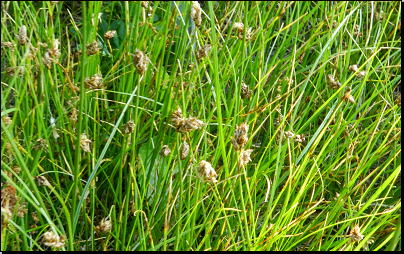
column 196, row 13
column 356, row 31
column 296, row 138
column 128, row 127
column 206, row 172
column 41, row 143
column 348, row 97
column 140, row 61
column 245, row 157
column 22, row 35
column 10, row 201
column 334, row 84
column 110, row 34
column 239, row 29
column 94, row 83
column 73, row 116
column 42, row 181
column 184, row 150
column 184, row 125
column 92, row 48
column 85, row 143
column 355, row 234
column 7, row 120
column 245, row 91
column 165, row 151
column 104, row 227
column 145, row 4
column 54, row 241
column 11, row 71
column 354, row 68
column 240, row 136
column 52, row 54
column 203, row 51
column 8, row 44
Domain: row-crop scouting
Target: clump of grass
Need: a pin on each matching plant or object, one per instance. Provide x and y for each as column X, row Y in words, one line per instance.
column 289, row 113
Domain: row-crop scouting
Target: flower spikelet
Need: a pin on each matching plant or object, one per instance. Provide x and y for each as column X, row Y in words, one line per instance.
column 190, row 124
column 140, row 61
column 104, row 227
column 42, row 181
column 203, row 51
column 196, row 13
column 206, row 172
column 240, row 136
column 355, row 234
column 94, row 83
column 184, row 150
column 110, row 34
column 54, row 241
column 92, row 48
column 245, row 157
column 184, row 125
column 22, row 35
column 85, row 143
column 41, row 143
column 128, row 127
column 245, row 91
column 165, row 151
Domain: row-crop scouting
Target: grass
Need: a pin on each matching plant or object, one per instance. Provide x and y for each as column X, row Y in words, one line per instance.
column 326, row 157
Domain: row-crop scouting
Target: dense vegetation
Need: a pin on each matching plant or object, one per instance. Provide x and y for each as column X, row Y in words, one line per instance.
column 201, row 126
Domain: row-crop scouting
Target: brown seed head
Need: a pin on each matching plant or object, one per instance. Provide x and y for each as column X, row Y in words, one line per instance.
column 203, row 51
column 92, row 48
column 140, row 61
column 240, row 136
column 40, row 143
column 110, row 34
column 355, row 234
column 196, row 13
column 22, row 35
column 104, row 227
column 128, row 127
column 47, row 60
column 165, row 151
column 8, row 200
column 353, row 68
column 11, row 71
column 206, row 172
column 184, row 125
column 245, row 91
column 176, row 117
column 184, row 150
column 94, row 83
column 85, row 143
column 8, row 44
column 145, row 4
column 7, row 120
column 334, row 84
column 73, row 116
column 238, row 26
column 42, row 181
column 245, row 157
column 54, row 241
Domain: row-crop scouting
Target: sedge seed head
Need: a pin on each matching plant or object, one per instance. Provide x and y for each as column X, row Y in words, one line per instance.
column 22, row 35
column 196, row 13
column 165, row 151
column 184, row 150
column 206, row 172
column 245, row 157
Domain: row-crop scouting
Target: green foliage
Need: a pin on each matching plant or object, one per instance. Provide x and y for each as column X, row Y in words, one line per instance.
column 326, row 153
